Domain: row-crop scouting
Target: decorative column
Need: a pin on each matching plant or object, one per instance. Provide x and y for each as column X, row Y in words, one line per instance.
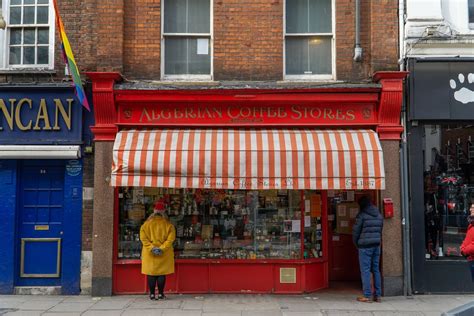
column 389, row 129
column 103, row 216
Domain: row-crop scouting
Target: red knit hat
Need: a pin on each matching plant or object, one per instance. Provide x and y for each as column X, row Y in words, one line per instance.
column 159, row 207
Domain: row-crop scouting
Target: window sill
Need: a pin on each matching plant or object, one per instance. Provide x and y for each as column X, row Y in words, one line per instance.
column 300, row 81
column 309, row 78
column 187, row 78
column 27, row 71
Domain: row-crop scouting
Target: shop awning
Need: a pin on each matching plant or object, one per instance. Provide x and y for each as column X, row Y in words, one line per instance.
column 248, row 159
column 40, row 152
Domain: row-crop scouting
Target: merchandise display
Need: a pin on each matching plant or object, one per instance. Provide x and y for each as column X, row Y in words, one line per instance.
column 448, row 187
column 227, row 224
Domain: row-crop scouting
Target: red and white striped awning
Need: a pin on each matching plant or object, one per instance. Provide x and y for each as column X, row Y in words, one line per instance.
column 248, row 159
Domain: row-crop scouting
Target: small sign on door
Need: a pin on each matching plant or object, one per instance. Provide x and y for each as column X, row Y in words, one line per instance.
column 41, row 227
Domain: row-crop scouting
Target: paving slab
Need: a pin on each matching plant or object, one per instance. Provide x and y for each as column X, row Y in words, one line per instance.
column 346, row 313
column 102, row 313
column 71, row 307
column 262, row 313
column 387, row 313
column 112, row 303
column 38, row 305
column 62, row 314
column 222, row 314
column 142, row 312
column 438, row 313
column 81, row 299
column 173, row 312
column 315, row 313
column 24, row 313
column 192, row 304
column 299, row 307
column 146, row 303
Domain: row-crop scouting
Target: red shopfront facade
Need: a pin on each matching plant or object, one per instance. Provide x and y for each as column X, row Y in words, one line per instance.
column 255, row 178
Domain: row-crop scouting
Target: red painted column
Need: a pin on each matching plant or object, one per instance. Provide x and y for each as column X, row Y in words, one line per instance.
column 391, row 98
column 105, row 109
column 103, row 216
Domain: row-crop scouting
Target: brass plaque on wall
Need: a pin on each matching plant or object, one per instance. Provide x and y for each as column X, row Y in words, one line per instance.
column 41, row 227
column 287, row 275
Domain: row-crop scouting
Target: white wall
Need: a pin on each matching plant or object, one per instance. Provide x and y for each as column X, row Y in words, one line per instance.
column 437, row 28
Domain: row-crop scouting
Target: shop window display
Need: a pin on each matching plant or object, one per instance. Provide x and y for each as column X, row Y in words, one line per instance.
column 227, row 224
column 448, row 157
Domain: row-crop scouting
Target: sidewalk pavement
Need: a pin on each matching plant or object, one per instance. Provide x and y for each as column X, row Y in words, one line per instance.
column 315, row 304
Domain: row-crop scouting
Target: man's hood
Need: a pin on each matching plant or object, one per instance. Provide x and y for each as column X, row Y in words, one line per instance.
column 371, row 210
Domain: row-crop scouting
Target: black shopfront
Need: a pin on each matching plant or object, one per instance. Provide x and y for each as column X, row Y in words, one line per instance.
column 440, row 136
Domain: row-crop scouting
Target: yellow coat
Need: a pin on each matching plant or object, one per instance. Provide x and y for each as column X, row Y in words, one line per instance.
column 157, row 232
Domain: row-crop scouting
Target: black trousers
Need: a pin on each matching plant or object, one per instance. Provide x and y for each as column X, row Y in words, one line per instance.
column 153, row 280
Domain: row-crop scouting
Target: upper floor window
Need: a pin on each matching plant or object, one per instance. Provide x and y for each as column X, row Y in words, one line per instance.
column 309, row 39
column 28, row 40
column 471, row 13
column 187, row 39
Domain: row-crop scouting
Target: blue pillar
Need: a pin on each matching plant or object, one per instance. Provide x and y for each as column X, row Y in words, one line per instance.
column 8, row 207
column 72, row 228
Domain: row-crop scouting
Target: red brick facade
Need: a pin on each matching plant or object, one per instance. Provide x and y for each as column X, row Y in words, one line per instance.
column 248, row 44
column 125, row 36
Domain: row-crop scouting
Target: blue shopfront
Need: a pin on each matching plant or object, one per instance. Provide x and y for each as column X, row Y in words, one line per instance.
column 41, row 172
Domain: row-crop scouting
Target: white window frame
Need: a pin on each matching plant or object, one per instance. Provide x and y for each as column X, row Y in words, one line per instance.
column 311, row 77
column 5, row 41
column 210, row 35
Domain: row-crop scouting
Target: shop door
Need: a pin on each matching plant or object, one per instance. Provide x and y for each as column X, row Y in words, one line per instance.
column 343, row 254
column 40, row 223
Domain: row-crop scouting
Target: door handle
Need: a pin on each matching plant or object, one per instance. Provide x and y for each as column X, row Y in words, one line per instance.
column 61, row 232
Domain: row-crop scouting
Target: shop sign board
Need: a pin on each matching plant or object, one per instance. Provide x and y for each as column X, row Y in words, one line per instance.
column 189, row 114
column 441, row 89
column 40, row 116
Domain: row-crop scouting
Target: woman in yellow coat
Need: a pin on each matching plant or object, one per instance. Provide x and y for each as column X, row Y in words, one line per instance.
column 157, row 235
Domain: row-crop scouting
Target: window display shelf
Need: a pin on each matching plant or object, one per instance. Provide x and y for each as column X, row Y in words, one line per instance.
column 224, row 224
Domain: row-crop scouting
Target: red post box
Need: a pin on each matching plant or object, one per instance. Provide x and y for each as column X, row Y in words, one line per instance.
column 387, row 207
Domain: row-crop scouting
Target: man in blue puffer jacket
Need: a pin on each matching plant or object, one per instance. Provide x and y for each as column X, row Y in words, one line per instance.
column 367, row 236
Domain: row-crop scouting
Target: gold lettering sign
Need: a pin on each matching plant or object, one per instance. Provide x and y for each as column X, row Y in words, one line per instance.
column 238, row 113
column 13, row 110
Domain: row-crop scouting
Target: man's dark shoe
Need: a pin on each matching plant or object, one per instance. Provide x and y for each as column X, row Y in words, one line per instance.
column 377, row 299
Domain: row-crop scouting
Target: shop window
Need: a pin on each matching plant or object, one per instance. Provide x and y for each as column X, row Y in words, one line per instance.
column 448, row 156
column 471, row 13
column 309, row 39
column 227, row 224
column 187, row 39
column 28, row 39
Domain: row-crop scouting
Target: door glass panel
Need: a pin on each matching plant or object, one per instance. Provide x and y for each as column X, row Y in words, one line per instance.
column 43, row 215
column 29, row 214
column 56, row 214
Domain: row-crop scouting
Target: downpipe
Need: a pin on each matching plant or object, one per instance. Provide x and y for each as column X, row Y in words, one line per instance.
column 357, row 47
column 404, row 174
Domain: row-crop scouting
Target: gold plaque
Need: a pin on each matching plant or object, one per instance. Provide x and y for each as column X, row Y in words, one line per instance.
column 287, row 275
column 41, row 227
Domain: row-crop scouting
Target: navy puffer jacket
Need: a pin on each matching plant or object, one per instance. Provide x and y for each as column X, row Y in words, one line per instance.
column 367, row 230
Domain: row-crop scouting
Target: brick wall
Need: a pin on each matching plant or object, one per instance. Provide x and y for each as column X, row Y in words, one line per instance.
column 248, row 39
column 87, row 204
column 124, row 36
column 142, row 39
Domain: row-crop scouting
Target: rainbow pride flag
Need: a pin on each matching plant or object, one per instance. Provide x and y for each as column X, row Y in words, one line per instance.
column 69, row 59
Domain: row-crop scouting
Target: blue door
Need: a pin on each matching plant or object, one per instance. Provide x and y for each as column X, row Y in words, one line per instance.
column 40, row 223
